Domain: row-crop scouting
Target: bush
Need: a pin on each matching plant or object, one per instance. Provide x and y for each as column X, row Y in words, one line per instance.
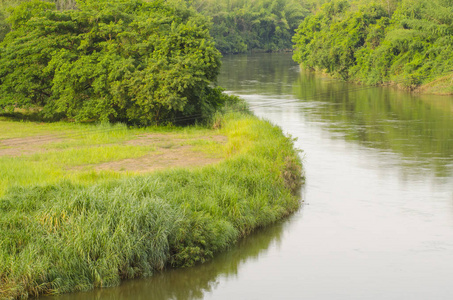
column 131, row 61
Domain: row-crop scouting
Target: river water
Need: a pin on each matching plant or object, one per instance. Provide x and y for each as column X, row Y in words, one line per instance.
column 377, row 216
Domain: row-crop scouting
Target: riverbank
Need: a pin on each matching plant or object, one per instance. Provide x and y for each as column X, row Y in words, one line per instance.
column 442, row 86
column 77, row 234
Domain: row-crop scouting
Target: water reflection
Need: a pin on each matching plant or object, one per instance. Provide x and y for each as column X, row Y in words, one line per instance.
column 417, row 127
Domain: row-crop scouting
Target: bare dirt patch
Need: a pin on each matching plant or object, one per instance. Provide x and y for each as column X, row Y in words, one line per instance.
column 172, row 151
column 162, row 159
column 26, row 145
column 169, row 151
column 159, row 139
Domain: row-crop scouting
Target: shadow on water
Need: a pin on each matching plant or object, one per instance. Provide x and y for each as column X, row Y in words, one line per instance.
column 194, row 282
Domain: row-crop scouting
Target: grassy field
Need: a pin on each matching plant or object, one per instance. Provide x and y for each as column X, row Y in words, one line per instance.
column 45, row 153
column 85, row 206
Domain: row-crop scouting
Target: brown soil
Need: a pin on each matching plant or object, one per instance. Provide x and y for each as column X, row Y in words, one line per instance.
column 171, row 151
column 164, row 139
column 182, row 156
column 26, row 145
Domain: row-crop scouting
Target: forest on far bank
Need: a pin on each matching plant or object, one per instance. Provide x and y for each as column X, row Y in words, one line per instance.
column 408, row 43
column 239, row 26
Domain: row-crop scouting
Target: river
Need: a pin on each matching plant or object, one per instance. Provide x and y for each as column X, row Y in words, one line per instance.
column 377, row 216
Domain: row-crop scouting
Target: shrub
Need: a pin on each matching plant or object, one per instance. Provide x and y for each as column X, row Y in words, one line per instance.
column 131, row 61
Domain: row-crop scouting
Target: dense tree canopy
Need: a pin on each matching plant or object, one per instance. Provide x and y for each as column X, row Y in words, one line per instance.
column 408, row 42
column 6, row 5
column 132, row 61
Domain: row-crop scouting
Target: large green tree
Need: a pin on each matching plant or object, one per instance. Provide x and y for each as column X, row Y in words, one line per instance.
column 118, row 60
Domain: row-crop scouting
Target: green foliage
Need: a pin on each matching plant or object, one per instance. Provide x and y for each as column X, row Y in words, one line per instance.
column 36, row 153
column 66, row 237
column 130, row 61
column 7, row 5
column 328, row 40
column 240, row 26
column 405, row 42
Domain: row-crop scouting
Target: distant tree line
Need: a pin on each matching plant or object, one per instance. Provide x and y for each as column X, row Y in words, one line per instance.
column 406, row 42
column 245, row 25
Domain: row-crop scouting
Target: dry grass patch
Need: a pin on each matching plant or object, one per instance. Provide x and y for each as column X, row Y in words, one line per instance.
column 172, row 151
column 27, row 145
column 31, row 153
column 182, row 156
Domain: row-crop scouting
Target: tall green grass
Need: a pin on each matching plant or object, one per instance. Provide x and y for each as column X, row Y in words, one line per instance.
column 71, row 151
column 67, row 237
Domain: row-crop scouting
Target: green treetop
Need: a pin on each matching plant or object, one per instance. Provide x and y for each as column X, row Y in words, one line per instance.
column 118, row 60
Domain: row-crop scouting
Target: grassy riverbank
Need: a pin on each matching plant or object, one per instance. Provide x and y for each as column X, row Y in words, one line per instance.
column 81, row 228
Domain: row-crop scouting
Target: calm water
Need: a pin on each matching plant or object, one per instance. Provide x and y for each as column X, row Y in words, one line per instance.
column 377, row 218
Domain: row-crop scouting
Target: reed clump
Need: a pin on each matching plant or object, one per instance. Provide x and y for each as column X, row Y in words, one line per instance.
column 67, row 236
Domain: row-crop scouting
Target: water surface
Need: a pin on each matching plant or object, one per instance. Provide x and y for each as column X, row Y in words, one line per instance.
column 377, row 218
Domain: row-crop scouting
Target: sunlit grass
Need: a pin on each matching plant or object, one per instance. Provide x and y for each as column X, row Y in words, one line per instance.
column 92, row 155
column 72, row 151
column 18, row 129
column 74, row 231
